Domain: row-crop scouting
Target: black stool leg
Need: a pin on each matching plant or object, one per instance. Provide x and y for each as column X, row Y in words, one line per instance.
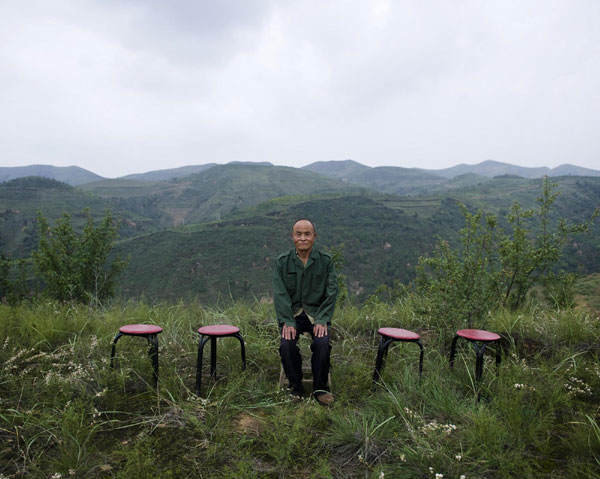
column 203, row 340
column 479, row 351
column 453, row 351
column 153, row 353
column 213, row 356
column 381, row 355
column 243, row 349
column 418, row 341
column 498, row 358
column 114, row 345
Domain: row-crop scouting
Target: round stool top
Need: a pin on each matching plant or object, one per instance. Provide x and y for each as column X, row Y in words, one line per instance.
column 219, row 330
column 478, row 335
column 140, row 329
column 398, row 333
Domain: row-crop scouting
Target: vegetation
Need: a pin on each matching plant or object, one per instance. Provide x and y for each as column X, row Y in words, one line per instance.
column 493, row 267
column 65, row 413
column 76, row 267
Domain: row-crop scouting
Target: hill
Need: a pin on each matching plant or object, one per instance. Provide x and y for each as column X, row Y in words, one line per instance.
column 163, row 175
column 234, row 219
column 343, row 170
column 21, row 200
column 234, row 258
column 216, row 192
column 73, row 175
column 397, row 180
column 382, row 238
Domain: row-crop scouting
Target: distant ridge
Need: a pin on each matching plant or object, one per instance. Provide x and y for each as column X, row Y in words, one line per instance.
column 390, row 179
column 492, row 168
column 168, row 174
column 72, row 175
column 343, row 170
column 351, row 170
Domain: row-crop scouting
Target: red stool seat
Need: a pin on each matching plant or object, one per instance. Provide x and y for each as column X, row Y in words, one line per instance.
column 399, row 334
column 219, row 330
column 478, row 335
column 211, row 333
column 388, row 336
column 140, row 329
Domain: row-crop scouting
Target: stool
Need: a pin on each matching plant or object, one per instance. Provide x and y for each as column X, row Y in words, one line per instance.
column 148, row 331
column 213, row 332
column 388, row 336
column 480, row 339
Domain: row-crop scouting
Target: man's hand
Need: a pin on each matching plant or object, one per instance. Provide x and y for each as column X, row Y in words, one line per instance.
column 320, row 330
column 288, row 332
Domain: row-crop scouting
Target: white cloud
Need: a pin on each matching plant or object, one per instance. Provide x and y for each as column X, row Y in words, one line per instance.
column 126, row 86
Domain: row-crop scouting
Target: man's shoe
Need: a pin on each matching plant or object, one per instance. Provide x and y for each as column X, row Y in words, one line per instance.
column 324, row 398
column 296, row 393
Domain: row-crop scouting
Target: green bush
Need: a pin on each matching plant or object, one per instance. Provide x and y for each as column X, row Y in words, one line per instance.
column 76, row 267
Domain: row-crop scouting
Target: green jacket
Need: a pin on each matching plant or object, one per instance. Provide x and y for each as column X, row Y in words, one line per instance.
column 313, row 288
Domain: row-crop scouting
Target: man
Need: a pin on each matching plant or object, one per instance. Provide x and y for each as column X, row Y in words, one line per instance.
column 304, row 292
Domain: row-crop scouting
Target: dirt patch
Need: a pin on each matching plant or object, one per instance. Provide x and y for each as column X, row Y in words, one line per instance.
column 245, row 423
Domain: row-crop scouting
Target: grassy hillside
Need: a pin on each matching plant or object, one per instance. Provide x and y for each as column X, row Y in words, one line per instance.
column 65, row 413
column 382, row 238
column 21, row 200
column 168, row 174
column 382, row 235
column 72, row 175
column 216, row 192
column 235, row 257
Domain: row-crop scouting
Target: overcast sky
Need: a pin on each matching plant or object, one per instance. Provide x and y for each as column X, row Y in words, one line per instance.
column 129, row 86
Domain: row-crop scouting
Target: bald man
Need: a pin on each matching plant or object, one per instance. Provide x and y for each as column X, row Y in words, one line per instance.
column 304, row 293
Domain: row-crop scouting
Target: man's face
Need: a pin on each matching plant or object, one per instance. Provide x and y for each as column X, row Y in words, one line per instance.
column 303, row 235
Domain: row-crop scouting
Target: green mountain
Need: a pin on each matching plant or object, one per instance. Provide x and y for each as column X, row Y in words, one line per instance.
column 572, row 170
column 397, row 180
column 234, row 258
column 382, row 238
column 216, row 192
column 21, row 200
column 169, row 174
column 344, row 170
column 491, row 168
column 234, row 220
column 72, row 175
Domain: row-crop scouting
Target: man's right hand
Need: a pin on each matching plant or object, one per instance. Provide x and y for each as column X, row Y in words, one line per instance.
column 288, row 332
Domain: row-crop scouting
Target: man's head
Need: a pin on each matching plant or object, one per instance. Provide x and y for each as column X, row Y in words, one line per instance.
column 304, row 235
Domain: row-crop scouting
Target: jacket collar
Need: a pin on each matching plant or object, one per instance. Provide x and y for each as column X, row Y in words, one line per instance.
column 311, row 259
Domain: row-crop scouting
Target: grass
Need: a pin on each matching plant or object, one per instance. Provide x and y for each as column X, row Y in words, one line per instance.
column 65, row 413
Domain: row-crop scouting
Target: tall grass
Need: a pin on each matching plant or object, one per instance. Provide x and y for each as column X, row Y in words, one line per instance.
column 65, row 413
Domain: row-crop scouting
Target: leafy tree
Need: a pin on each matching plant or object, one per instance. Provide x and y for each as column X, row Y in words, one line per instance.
column 337, row 255
column 13, row 280
column 528, row 256
column 492, row 267
column 460, row 285
column 4, row 271
column 76, row 267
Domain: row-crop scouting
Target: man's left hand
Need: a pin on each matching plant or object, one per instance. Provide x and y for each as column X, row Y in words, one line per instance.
column 320, row 330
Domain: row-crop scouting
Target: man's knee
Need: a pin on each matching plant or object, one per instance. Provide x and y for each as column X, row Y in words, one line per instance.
column 287, row 345
column 321, row 344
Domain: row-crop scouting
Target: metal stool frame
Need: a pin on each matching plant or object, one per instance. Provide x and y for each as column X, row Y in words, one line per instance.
column 213, row 354
column 479, row 345
column 152, row 350
column 384, row 345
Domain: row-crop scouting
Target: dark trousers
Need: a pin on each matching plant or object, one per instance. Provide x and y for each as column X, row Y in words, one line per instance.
column 291, row 358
